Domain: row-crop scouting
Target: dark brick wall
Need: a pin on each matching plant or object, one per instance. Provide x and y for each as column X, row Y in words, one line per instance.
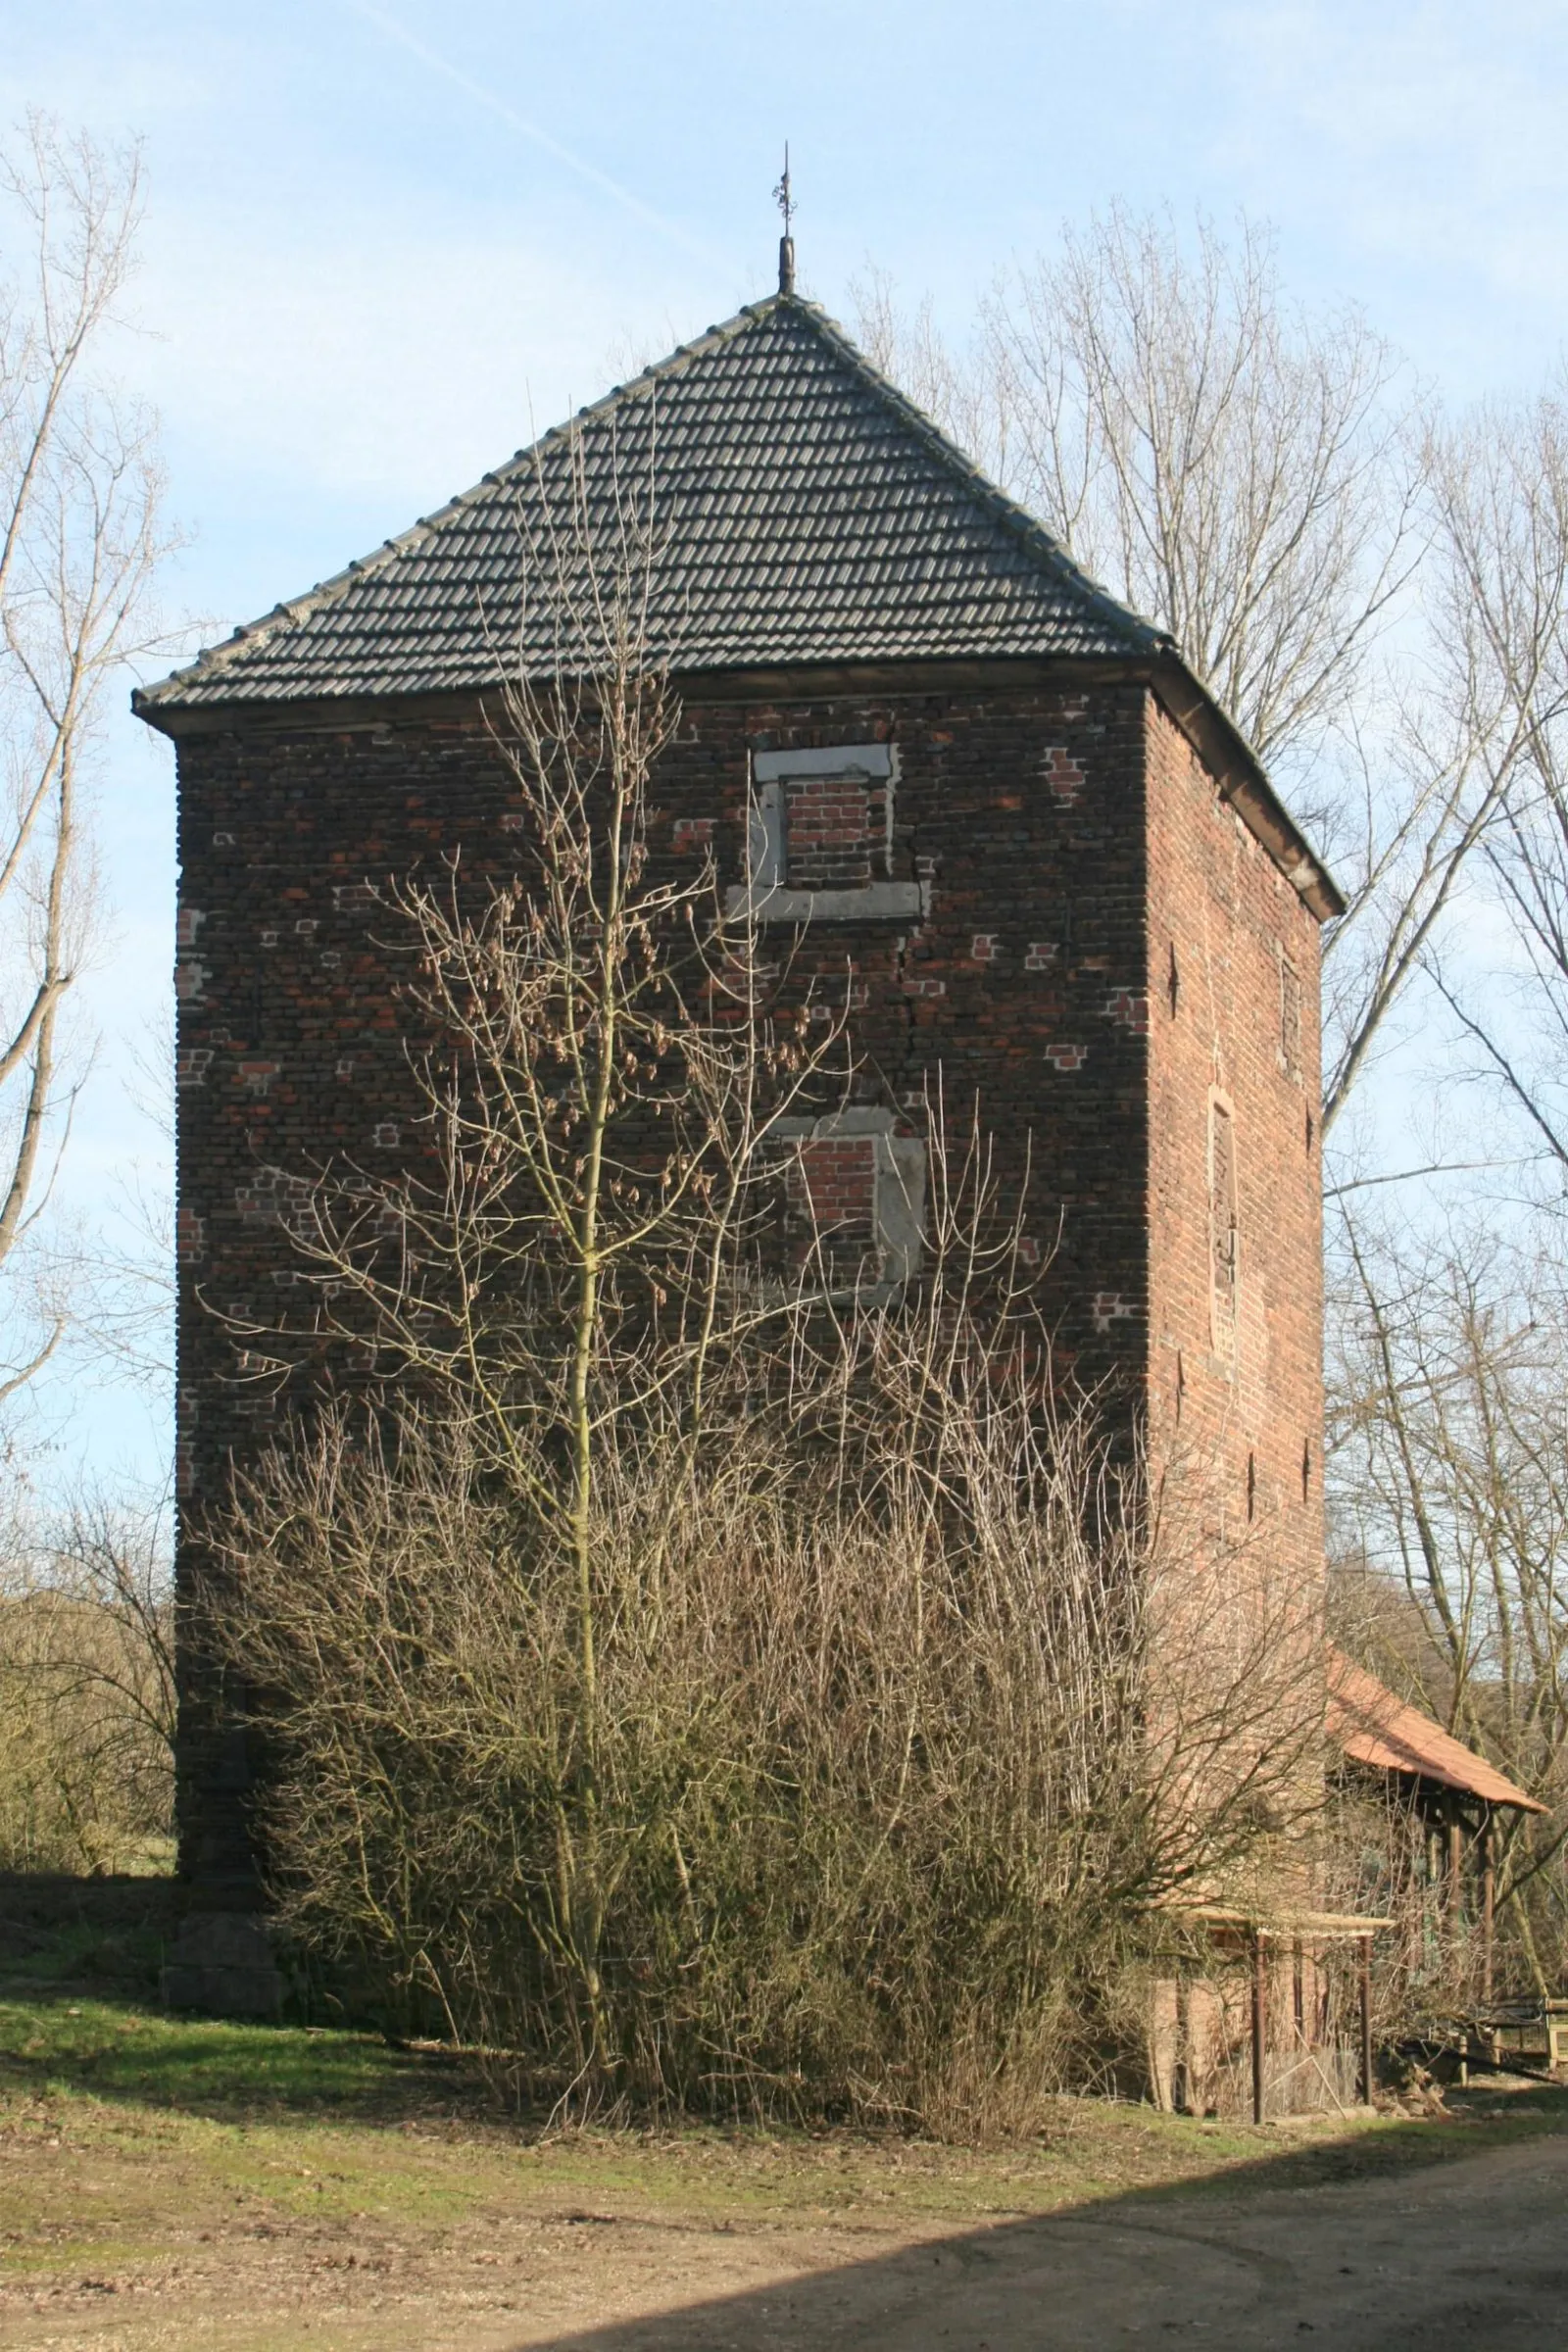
column 1061, row 835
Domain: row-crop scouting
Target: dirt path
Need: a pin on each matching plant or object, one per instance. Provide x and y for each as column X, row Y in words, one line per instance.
column 1461, row 2258
column 176, row 2184
column 1468, row 2254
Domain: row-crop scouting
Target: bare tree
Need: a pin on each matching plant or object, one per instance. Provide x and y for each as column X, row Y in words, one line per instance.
column 1447, row 1449
column 1499, row 687
column 1232, row 469
column 128, row 1300
column 604, row 1063
column 87, row 1692
column 1251, row 477
column 80, row 538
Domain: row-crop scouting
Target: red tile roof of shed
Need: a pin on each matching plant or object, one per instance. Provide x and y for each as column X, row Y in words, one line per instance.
column 1377, row 1729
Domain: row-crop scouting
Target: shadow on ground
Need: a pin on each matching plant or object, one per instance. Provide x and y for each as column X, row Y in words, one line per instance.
column 1421, row 2238
column 79, row 1967
column 1366, row 2246
column 106, row 1936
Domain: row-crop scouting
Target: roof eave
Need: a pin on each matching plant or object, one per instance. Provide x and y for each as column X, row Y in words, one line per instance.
column 152, row 712
column 1505, row 1799
column 1377, row 1730
column 1244, row 781
column 1225, row 752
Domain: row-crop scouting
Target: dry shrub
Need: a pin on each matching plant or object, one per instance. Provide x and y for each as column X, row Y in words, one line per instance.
column 866, row 1820
column 707, row 1664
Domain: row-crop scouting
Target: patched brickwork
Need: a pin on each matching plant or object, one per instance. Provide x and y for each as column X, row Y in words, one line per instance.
column 836, row 1176
column 1066, row 841
column 833, row 825
column 1063, row 774
column 831, row 1192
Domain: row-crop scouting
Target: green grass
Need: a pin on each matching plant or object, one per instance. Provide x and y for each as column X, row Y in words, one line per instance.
column 331, row 2106
column 134, row 2145
column 113, row 2051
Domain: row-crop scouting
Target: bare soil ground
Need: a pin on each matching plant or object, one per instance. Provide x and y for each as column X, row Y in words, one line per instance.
column 201, row 2187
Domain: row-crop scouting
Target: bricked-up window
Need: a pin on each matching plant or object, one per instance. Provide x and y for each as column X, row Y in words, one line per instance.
column 819, row 845
column 1290, row 1018
column 837, row 1180
column 855, row 1199
column 833, row 826
column 1222, row 1238
column 821, row 819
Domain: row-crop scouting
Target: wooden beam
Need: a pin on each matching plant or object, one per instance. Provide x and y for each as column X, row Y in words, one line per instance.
column 1259, row 2018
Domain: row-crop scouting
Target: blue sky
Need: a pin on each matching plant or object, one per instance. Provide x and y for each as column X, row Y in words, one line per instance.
column 386, row 244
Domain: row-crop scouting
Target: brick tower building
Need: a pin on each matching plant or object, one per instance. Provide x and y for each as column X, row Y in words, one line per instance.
column 1050, row 868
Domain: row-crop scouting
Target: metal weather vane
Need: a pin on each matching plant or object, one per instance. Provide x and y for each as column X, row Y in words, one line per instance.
column 784, row 199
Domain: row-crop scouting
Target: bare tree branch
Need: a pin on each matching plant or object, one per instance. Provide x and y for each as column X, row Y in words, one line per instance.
column 1451, row 1483
column 80, row 538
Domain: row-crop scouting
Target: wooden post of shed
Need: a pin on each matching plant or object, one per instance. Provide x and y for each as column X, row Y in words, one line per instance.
column 1259, row 2007
column 1489, row 1909
column 1366, row 2021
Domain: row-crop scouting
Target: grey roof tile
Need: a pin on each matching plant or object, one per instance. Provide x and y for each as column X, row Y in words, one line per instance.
column 804, row 510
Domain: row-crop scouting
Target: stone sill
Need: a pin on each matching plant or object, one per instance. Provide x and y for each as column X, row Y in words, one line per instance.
column 878, row 902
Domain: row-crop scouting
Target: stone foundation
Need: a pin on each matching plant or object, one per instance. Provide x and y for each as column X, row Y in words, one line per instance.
column 223, row 1963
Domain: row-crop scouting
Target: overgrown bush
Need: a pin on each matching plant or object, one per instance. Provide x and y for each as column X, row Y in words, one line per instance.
column 705, row 1661
column 869, row 1811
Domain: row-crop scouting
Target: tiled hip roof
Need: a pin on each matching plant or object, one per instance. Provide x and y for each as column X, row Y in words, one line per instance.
column 795, row 508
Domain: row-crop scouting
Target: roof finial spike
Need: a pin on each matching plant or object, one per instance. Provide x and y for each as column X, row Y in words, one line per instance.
column 786, row 244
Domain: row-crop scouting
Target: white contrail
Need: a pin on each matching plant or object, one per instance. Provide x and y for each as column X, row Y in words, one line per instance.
column 476, row 90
